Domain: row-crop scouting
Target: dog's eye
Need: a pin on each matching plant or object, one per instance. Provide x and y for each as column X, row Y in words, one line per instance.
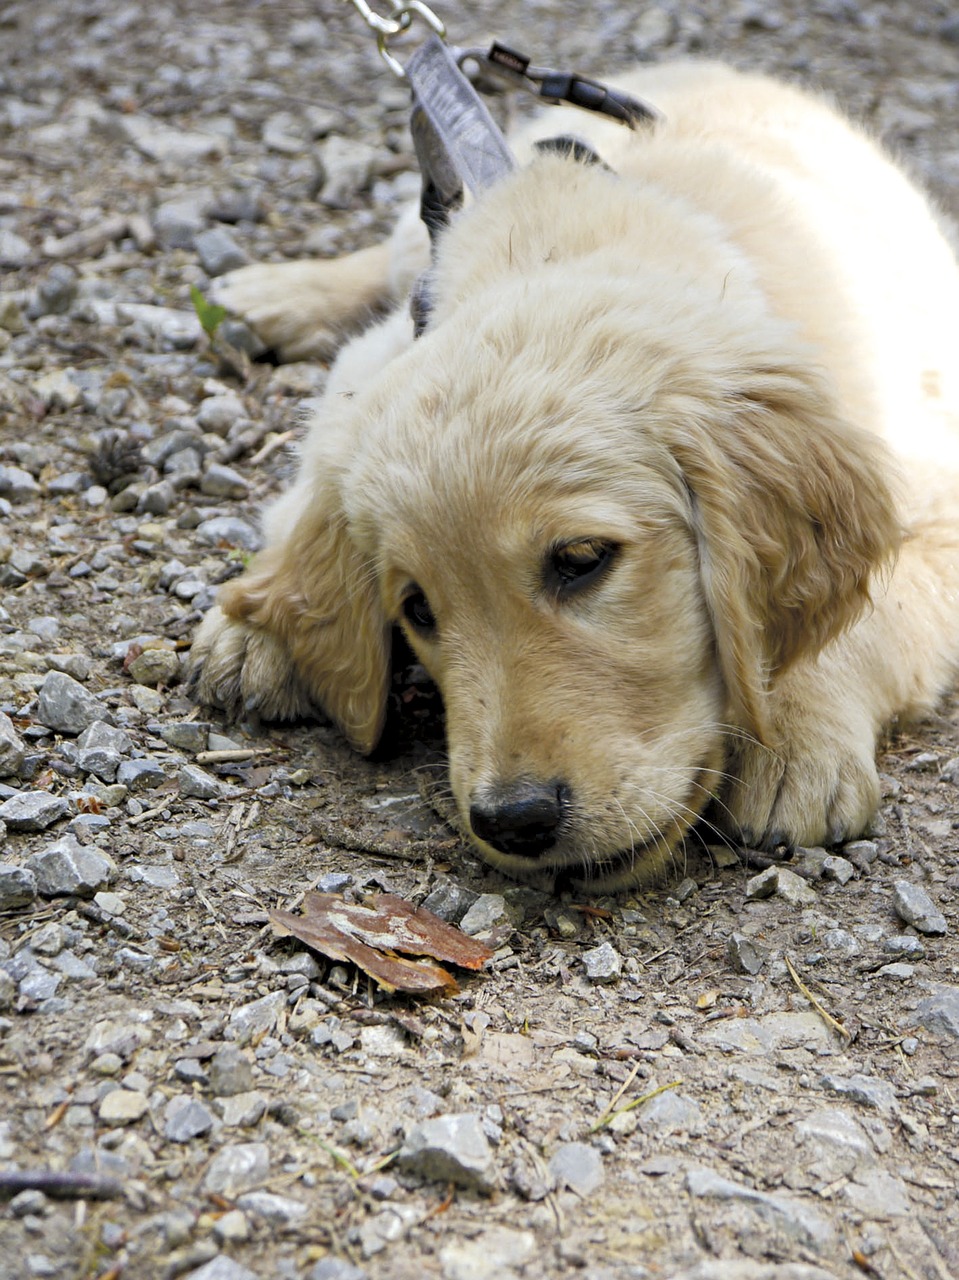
column 576, row 565
column 417, row 612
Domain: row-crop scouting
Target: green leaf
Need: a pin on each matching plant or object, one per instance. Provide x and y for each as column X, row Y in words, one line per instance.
column 209, row 314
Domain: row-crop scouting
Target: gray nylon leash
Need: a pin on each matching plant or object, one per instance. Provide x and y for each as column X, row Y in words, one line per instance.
column 447, row 106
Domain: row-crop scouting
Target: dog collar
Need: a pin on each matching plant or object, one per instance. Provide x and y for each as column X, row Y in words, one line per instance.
column 457, row 141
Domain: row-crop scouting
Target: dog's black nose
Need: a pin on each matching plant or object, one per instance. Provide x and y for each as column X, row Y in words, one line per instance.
column 523, row 818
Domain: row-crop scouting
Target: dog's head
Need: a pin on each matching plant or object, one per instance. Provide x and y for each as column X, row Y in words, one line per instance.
column 604, row 537
column 606, row 513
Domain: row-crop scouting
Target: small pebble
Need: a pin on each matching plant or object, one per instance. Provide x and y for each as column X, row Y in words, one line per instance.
column 602, row 963
column 913, row 905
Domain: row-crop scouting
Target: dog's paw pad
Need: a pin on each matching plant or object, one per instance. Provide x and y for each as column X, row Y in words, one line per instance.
column 243, row 670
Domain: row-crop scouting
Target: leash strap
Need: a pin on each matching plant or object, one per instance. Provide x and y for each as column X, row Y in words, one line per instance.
column 507, row 68
column 450, row 117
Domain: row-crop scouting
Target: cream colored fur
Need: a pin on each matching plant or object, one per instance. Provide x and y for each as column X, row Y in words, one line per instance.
column 735, row 359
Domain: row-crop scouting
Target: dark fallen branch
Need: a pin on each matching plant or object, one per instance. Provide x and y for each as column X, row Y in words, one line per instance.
column 59, row 1186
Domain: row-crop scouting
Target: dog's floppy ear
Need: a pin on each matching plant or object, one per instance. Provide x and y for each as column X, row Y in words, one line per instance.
column 314, row 594
column 794, row 517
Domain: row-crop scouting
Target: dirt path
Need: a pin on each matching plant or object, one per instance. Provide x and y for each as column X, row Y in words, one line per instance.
column 237, row 1104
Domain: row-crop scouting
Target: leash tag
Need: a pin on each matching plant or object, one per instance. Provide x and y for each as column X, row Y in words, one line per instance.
column 476, row 148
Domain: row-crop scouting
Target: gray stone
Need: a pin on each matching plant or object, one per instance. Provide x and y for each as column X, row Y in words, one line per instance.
column 488, row 911
column 220, row 481
column 602, row 963
column 878, row 1195
column 240, row 335
column 232, row 1227
column 32, row 810
column 11, row 317
column 49, row 939
column 186, row 1118
column 743, row 1269
column 179, row 221
column 101, row 749
column 17, row 485
column 71, row 868
column 39, row 984
column 762, row 885
column 46, row 628
column 495, row 1253
column 861, row 853
column 578, row 1166
column 279, row 1211
column 238, row 1167
column 118, row 1036
column 388, row 1226
column 77, row 665
column 58, row 390
column 834, row 1145
column 64, row 704
column 123, row 1106
column 811, row 863
column 939, row 1013
column 242, row 1110
column 451, row 1148
column 218, row 413
column 230, row 530
column 839, row 869
column 18, row 886
column 670, row 1112
column 14, row 250
column 221, row 1268
column 11, row 748
column 8, row 991
column 336, row 1269
column 258, row 1017
column 156, row 500
column 840, row 942
column 347, row 166
column 166, row 144
column 218, row 251
column 29, row 1202
column 868, row 1091
column 140, row 775
column 334, row 882
column 906, row 945
column 138, row 961
column 796, row 1219
column 303, row 963
column 450, row 901
column 230, row 1072
column 71, row 966
column 194, row 781
column 743, row 954
column 794, row 889
column 913, row 905
column 56, row 293
column 183, row 467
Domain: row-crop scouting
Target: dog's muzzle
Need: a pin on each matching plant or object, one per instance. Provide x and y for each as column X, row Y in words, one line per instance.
column 523, row 818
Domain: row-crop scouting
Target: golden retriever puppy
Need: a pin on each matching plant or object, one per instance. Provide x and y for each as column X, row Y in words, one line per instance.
column 665, row 497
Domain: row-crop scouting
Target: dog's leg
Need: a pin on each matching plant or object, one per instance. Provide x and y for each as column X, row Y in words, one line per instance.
column 821, row 785
column 300, row 629
column 303, row 309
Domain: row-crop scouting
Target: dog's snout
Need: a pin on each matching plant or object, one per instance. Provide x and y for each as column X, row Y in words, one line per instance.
column 523, row 818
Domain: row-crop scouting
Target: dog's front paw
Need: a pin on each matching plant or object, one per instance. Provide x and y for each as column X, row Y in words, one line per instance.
column 242, row 669
column 820, row 787
column 271, row 298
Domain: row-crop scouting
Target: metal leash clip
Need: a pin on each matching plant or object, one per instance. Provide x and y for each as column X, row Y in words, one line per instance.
column 399, row 19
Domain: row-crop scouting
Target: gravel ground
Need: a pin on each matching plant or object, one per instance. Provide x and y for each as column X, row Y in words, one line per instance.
column 183, row 1094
